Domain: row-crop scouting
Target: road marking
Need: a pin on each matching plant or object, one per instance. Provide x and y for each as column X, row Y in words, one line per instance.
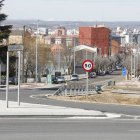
column 134, row 130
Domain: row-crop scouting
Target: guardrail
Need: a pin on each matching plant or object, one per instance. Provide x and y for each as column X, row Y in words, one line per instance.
column 93, row 88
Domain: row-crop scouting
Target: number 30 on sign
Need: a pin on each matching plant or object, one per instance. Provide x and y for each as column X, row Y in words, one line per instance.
column 87, row 65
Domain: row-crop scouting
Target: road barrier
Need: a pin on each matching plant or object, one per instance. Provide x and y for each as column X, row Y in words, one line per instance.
column 93, row 88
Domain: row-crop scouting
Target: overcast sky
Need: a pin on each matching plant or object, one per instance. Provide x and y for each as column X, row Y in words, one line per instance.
column 67, row 10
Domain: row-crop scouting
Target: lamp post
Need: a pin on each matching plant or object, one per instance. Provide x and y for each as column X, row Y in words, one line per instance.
column 59, row 63
column 74, row 54
column 36, row 72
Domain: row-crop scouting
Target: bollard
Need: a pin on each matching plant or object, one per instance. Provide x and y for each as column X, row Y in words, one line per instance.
column 109, row 83
column 65, row 92
column 98, row 88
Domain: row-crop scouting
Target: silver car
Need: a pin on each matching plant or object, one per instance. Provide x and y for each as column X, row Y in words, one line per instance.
column 74, row 77
column 59, row 79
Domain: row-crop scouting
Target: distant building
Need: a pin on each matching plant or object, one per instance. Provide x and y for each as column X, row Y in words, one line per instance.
column 136, row 38
column 98, row 36
column 61, row 31
column 115, row 47
column 15, row 37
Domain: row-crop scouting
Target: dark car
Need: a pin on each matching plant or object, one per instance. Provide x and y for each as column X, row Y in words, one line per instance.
column 12, row 81
column 109, row 72
column 53, row 78
column 102, row 73
column 92, row 75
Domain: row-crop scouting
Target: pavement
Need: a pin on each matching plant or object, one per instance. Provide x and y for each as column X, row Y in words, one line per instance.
column 30, row 110
column 27, row 109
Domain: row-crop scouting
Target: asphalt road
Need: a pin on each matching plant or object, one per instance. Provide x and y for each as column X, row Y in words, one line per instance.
column 69, row 129
column 25, row 97
column 26, row 93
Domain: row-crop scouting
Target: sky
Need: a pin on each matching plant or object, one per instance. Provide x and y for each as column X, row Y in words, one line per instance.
column 73, row 10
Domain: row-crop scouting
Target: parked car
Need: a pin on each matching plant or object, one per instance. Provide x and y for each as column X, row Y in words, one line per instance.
column 59, row 79
column 74, row 77
column 109, row 72
column 3, row 81
column 133, row 76
column 102, row 73
column 118, row 67
column 53, row 78
column 92, row 75
column 12, row 81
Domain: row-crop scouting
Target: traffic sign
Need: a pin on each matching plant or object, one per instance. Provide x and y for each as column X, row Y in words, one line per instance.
column 124, row 71
column 87, row 65
column 15, row 48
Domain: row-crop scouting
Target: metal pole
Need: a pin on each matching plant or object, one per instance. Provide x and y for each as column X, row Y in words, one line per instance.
column 134, row 66
column 7, row 80
column 86, row 76
column 137, row 63
column 0, row 72
column 23, row 41
column 59, row 58
column 36, row 63
column 74, row 54
column 131, row 63
column 87, row 82
column 16, row 67
column 36, row 77
column 19, row 66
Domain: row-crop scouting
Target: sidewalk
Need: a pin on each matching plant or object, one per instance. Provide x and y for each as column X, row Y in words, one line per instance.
column 26, row 109
column 29, row 110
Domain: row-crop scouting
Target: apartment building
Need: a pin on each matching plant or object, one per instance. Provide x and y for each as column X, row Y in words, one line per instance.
column 98, row 36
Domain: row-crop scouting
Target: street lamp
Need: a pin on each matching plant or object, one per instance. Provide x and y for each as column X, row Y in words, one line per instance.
column 36, row 72
column 74, row 54
column 59, row 63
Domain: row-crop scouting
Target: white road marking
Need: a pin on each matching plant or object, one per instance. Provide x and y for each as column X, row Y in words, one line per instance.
column 134, row 130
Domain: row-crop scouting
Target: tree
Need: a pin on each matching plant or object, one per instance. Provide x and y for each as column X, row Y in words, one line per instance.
column 68, row 58
column 6, row 29
column 30, row 55
column 4, row 34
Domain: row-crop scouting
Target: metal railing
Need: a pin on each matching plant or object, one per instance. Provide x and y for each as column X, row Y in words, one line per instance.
column 93, row 88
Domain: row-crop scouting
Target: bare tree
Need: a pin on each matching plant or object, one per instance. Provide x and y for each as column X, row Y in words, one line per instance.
column 29, row 55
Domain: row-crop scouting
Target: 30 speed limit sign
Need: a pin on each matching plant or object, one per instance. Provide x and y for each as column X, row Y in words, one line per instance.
column 87, row 65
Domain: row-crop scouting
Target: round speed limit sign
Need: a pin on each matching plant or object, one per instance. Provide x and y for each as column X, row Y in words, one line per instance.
column 87, row 65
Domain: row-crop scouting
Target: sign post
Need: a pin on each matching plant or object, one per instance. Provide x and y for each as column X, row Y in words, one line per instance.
column 87, row 65
column 124, row 72
column 12, row 48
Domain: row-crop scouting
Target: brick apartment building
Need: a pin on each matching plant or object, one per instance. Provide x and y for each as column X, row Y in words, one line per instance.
column 115, row 47
column 98, row 36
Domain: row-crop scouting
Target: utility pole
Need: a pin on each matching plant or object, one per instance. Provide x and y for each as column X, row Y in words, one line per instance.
column 23, row 41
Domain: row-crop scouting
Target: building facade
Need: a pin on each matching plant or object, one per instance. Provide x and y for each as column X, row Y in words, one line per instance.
column 98, row 37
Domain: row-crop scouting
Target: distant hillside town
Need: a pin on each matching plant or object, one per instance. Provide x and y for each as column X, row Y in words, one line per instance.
column 51, row 49
column 107, row 41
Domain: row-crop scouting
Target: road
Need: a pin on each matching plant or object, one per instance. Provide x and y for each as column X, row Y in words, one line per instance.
column 25, row 97
column 26, row 93
column 69, row 129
